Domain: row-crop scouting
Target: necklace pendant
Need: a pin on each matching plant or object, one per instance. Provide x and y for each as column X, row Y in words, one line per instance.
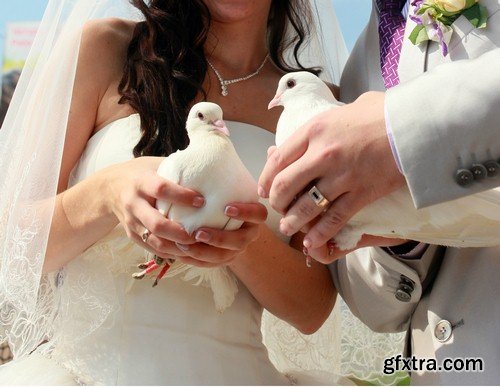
column 225, row 82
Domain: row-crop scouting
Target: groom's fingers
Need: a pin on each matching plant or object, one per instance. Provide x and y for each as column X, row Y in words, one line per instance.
column 299, row 215
column 330, row 223
column 271, row 150
column 280, row 158
column 305, row 209
column 291, row 182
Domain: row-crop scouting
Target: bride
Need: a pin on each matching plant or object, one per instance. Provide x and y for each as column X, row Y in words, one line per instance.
column 99, row 105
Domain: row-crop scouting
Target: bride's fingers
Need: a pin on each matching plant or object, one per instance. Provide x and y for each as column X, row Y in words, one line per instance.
column 150, row 218
column 327, row 253
column 247, row 212
column 161, row 189
column 235, row 240
column 206, row 253
column 330, row 252
column 161, row 247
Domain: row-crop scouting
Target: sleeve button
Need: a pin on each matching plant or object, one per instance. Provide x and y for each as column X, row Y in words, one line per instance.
column 492, row 168
column 479, row 171
column 464, row 177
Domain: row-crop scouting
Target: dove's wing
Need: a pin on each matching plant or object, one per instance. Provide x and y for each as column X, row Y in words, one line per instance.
column 475, row 221
column 295, row 116
column 472, row 221
column 221, row 178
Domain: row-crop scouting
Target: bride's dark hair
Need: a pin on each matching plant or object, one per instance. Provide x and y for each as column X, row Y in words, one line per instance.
column 166, row 64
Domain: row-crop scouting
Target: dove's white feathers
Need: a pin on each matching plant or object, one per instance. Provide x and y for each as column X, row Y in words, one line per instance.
column 210, row 166
column 472, row 221
column 294, row 113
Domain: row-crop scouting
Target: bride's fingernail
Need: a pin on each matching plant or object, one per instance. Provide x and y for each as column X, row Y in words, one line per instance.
column 261, row 192
column 199, row 201
column 231, row 211
column 182, row 247
column 307, row 243
column 202, row 236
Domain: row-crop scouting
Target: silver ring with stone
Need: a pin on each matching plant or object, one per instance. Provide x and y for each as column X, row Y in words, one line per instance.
column 145, row 235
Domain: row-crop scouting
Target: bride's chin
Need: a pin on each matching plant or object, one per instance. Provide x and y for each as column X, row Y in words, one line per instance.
column 227, row 11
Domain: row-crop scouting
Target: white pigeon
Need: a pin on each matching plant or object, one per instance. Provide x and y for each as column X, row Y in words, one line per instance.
column 210, row 166
column 472, row 221
column 295, row 89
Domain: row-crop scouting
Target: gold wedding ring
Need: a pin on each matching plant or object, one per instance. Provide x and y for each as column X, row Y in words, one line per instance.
column 145, row 235
column 318, row 198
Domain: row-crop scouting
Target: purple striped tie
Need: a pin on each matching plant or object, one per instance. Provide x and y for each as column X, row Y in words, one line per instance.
column 391, row 31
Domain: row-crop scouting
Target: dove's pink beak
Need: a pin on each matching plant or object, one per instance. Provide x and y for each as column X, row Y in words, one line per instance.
column 276, row 101
column 221, row 127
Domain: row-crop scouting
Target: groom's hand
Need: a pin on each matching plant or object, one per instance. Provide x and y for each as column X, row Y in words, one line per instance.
column 345, row 152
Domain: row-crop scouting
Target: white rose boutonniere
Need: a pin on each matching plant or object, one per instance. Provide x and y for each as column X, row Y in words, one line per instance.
column 434, row 18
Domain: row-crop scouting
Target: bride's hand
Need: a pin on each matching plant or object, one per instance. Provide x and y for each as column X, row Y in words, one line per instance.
column 131, row 191
column 329, row 252
column 218, row 247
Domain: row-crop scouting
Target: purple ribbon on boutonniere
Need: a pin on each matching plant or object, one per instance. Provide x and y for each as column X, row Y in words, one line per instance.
column 435, row 17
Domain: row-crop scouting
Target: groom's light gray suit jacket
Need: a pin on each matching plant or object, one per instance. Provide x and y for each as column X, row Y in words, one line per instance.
column 445, row 116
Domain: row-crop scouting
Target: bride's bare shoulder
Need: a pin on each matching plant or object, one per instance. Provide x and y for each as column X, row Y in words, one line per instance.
column 103, row 51
column 110, row 35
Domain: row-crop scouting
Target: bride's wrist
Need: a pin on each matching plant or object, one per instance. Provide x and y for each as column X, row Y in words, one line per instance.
column 105, row 186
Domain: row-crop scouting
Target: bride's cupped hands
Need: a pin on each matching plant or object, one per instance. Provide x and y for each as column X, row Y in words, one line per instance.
column 130, row 191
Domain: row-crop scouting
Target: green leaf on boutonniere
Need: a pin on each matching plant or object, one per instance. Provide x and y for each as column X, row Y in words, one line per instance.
column 477, row 15
column 469, row 3
column 418, row 35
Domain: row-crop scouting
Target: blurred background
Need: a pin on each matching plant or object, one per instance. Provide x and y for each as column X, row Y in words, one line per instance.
column 18, row 26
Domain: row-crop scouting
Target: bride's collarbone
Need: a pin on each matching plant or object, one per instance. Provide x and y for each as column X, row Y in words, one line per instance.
column 248, row 108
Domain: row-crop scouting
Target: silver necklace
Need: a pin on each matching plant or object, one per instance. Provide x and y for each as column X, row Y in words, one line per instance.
column 225, row 82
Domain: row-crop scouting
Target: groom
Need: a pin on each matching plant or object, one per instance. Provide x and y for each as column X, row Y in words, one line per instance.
column 433, row 123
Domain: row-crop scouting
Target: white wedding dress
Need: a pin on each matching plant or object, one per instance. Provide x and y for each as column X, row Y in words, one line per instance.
column 171, row 334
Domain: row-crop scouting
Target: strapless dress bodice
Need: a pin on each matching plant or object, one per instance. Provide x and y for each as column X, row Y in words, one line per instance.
column 171, row 334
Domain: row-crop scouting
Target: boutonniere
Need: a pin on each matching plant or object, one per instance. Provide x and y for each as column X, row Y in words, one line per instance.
column 435, row 17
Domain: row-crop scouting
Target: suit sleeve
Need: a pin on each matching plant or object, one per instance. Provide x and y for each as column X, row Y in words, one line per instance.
column 446, row 122
column 370, row 279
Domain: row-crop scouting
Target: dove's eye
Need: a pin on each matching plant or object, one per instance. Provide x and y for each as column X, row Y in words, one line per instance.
column 291, row 83
column 201, row 116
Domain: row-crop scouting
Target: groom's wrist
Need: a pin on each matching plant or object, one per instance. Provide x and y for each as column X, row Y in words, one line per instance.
column 390, row 137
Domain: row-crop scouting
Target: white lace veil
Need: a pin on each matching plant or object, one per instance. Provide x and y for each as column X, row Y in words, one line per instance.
column 31, row 146
column 33, row 306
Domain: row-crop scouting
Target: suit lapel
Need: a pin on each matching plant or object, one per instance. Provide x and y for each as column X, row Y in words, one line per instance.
column 413, row 57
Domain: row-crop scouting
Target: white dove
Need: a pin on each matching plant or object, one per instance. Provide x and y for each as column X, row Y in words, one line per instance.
column 472, row 221
column 210, row 166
